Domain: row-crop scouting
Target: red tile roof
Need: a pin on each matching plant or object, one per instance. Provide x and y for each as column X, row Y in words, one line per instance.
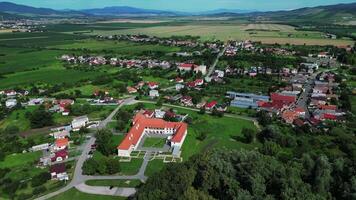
column 211, row 104
column 62, row 142
column 276, row 97
column 140, row 122
column 328, row 107
column 187, row 65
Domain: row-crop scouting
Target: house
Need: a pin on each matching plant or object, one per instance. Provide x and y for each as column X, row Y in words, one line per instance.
column 193, row 84
column 10, row 93
column 154, row 93
column 189, row 67
column 58, row 172
column 40, row 147
column 60, row 156
column 60, row 134
column 179, row 86
column 149, row 113
column 219, row 73
column 176, row 133
column 283, row 99
column 152, row 85
column 10, row 103
column 34, row 102
column 79, row 122
column 159, row 114
column 187, row 100
column 289, row 116
column 179, row 80
column 61, row 144
column 211, row 105
column 131, row 90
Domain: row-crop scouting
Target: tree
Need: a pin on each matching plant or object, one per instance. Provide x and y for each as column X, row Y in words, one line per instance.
column 270, row 148
column 41, row 118
column 112, row 166
column 104, row 142
column 248, row 134
column 40, row 179
column 90, row 166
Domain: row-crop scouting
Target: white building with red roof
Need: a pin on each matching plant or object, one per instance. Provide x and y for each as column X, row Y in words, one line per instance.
column 176, row 133
column 194, row 67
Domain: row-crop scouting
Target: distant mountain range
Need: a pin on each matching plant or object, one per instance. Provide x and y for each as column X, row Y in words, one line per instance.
column 333, row 13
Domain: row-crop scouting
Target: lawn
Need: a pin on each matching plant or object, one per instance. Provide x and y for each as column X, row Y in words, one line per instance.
column 154, row 142
column 18, row 118
column 132, row 167
column 20, row 159
column 77, row 195
column 115, row 183
column 154, row 166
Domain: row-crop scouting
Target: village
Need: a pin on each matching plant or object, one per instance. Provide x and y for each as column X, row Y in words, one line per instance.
column 306, row 96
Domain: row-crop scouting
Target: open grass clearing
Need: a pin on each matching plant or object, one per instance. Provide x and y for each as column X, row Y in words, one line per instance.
column 20, row 159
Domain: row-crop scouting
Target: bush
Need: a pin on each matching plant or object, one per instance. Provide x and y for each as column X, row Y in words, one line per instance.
column 38, row 190
column 40, row 179
column 248, row 134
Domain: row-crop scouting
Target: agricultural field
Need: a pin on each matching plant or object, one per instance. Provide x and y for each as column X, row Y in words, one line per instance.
column 266, row 33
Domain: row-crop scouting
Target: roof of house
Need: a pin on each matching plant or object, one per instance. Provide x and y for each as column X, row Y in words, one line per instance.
column 140, row 122
column 58, row 168
column 328, row 107
column 284, row 98
column 62, row 142
column 187, row 65
column 211, row 104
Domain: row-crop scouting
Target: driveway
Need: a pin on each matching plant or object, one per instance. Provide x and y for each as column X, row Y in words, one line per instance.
column 102, row 190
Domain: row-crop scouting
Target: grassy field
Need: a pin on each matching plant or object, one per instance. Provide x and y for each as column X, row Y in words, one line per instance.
column 154, row 142
column 48, row 75
column 77, row 195
column 266, row 33
column 154, row 166
column 127, row 48
column 19, row 159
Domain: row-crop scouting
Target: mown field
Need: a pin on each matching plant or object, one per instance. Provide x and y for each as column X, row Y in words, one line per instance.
column 266, row 33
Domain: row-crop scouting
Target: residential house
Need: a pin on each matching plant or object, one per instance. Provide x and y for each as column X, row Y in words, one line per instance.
column 58, row 172
column 10, row 103
column 154, row 93
column 131, row 90
column 60, row 156
column 61, row 144
column 79, row 122
column 211, row 105
column 194, row 67
column 152, row 85
column 187, row 100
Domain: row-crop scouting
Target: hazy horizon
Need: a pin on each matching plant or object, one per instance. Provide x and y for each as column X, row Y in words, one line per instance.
column 181, row 5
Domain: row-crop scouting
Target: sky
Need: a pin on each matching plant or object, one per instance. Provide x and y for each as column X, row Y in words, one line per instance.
column 181, row 5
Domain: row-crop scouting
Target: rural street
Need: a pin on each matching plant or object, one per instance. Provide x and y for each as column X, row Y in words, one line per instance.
column 303, row 98
column 212, row 67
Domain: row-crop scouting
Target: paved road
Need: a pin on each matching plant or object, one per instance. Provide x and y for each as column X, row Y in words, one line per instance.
column 102, row 190
column 304, row 97
column 212, row 67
